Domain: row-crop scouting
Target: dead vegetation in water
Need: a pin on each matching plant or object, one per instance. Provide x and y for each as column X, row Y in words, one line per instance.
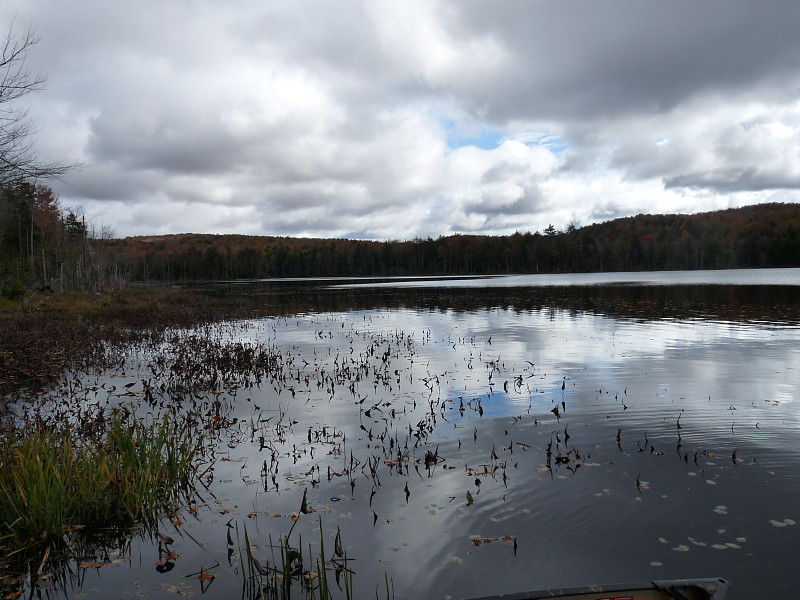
column 47, row 333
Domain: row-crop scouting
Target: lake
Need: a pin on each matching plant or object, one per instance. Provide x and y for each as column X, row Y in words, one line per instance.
column 474, row 436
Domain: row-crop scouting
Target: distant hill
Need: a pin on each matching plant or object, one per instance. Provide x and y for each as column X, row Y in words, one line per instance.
column 764, row 235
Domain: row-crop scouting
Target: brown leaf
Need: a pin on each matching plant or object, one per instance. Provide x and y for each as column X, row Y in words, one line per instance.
column 258, row 567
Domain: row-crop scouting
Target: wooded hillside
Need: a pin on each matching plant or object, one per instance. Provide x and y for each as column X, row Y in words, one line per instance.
column 766, row 235
column 43, row 244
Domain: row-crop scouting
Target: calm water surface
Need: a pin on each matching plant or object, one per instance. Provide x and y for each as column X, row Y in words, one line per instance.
column 607, row 429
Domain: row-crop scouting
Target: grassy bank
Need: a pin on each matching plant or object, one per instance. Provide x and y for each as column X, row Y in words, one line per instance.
column 76, row 480
column 52, row 481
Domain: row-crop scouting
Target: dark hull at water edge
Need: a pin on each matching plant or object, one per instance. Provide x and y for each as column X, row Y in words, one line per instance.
column 682, row 589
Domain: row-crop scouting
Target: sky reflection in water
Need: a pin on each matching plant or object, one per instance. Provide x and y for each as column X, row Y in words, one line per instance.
column 677, row 429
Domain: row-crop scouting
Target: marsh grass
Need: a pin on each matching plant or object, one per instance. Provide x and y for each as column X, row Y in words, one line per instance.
column 52, row 480
column 293, row 572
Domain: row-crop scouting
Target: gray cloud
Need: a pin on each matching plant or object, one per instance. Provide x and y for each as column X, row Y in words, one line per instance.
column 587, row 61
column 748, row 179
column 336, row 119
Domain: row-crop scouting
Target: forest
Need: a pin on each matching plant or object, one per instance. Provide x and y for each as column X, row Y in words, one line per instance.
column 766, row 235
column 46, row 246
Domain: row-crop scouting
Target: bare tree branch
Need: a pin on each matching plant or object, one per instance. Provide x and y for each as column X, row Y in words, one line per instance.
column 18, row 157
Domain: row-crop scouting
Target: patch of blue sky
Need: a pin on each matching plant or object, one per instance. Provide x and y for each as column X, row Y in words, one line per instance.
column 489, row 138
column 485, row 138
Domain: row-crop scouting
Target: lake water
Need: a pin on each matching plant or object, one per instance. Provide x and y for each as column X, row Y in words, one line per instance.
column 579, row 429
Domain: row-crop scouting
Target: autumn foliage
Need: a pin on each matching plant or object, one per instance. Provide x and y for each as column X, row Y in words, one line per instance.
column 44, row 245
column 766, row 235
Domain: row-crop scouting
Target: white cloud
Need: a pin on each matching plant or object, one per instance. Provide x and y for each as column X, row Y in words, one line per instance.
column 339, row 119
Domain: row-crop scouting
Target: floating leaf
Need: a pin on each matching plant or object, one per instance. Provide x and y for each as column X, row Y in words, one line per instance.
column 696, row 543
column 164, row 539
column 783, row 523
column 480, row 541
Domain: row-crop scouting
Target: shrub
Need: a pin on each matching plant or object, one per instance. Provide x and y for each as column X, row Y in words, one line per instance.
column 13, row 290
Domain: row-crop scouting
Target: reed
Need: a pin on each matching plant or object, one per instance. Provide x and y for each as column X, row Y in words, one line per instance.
column 52, row 479
column 293, row 572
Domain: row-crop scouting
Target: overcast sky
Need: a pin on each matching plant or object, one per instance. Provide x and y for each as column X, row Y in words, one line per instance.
column 391, row 120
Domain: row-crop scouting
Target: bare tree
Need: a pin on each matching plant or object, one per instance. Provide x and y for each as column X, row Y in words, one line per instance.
column 18, row 158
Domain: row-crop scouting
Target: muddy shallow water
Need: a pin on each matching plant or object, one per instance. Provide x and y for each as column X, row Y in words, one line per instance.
column 476, row 439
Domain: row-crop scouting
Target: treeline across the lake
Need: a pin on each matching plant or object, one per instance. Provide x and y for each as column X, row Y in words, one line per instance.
column 766, row 235
column 45, row 245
